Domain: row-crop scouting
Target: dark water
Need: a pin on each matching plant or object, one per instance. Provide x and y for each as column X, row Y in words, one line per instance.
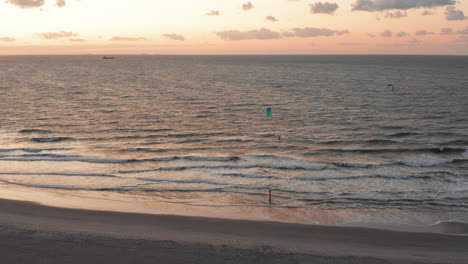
column 192, row 130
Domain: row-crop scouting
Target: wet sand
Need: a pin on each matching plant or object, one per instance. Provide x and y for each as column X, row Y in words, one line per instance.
column 33, row 233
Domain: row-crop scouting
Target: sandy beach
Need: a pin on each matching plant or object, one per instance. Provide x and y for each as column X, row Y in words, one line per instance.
column 33, row 233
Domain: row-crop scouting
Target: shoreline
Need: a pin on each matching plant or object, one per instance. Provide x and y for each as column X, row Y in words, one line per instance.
column 23, row 221
column 305, row 216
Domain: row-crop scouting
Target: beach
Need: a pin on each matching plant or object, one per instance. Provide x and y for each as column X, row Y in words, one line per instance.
column 33, row 233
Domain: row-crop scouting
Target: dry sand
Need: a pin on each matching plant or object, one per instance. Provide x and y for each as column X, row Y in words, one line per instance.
column 32, row 233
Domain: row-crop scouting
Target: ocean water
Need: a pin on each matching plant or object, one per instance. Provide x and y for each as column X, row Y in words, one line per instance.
column 190, row 135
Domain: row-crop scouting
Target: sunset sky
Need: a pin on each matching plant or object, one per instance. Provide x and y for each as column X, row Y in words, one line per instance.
column 233, row 27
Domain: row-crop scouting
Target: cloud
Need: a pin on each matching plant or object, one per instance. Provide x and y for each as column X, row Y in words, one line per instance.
column 351, row 43
column 174, row 37
column 371, row 35
column 452, row 13
column 446, row 31
column 26, row 3
column 463, row 39
column 449, row 31
column 213, row 13
column 314, row 32
column 386, row 34
column 402, row 34
column 247, row 6
column 323, row 8
column 7, row 39
column 396, row 15
column 423, row 33
column 271, row 18
column 76, row 40
column 56, row 35
column 427, row 13
column 380, row 5
column 61, row 3
column 463, row 32
column 262, row 33
column 127, row 38
column 414, row 41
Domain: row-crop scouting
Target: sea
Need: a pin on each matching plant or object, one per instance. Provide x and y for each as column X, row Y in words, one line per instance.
column 351, row 139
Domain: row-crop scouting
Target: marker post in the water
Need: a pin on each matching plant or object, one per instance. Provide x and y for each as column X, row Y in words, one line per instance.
column 270, row 114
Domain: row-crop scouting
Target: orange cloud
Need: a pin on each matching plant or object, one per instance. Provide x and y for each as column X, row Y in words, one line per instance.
column 213, row 13
column 248, row 35
column 314, row 32
column 56, row 35
column 323, row 8
column 127, row 38
column 386, row 34
column 380, row 5
column 174, row 37
column 60, row 3
column 247, row 6
column 26, row 3
column 452, row 13
column 7, row 39
column 77, row 40
column 397, row 14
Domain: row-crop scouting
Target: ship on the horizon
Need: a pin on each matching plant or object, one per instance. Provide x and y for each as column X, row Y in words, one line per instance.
column 107, row 58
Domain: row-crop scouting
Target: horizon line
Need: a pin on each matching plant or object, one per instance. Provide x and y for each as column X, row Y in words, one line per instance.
column 221, row 54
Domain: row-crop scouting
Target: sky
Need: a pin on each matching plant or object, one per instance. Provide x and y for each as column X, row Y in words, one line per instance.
column 234, row 27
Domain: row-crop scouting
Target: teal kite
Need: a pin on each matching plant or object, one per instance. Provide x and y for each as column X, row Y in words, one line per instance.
column 268, row 112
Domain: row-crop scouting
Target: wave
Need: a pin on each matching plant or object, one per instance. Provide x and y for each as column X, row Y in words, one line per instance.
column 431, row 164
column 253, row 161
column 144, row 150
column 198, row 136
column 241, row 175
column 121, row 189
column 35, row 131
column 226, row 167
column 399, row 163
column 52, row 139
column 34, row 150
column 183, row 181
column 456, row 142
column 127, row 130
column 404, row 134
column 188, row 158
column 392, row 127
column 431, row 134
column 444, row 203
column 49, row 155
column 356, row 165
column 439, row 175
column 234, row 141
column 61, row 174
column 78, row 158
column 355, row 142
column 441, row 150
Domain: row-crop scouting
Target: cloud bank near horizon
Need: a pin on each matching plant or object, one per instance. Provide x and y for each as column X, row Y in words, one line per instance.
column 57, row 35
column 174, row 37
